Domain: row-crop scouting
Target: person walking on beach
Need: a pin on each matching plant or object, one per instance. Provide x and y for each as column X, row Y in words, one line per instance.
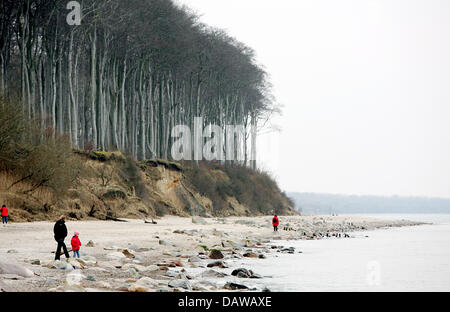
column 60, row 231
column 275, row 223
column 76, row 243
column 4, row 211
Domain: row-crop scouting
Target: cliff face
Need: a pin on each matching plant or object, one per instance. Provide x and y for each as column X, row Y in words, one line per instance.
column 113, row 185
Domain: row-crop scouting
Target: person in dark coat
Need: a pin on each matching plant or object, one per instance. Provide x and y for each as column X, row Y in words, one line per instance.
column 60, row 231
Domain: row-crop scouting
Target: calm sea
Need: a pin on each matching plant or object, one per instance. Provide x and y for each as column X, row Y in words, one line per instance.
column 397, row 259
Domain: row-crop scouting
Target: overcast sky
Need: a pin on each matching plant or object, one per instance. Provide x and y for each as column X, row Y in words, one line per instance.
column 365, row 89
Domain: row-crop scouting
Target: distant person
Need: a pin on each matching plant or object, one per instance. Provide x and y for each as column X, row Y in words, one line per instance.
column 275, row 223
column 60, row 231
column 4, row 211
column 76, row 243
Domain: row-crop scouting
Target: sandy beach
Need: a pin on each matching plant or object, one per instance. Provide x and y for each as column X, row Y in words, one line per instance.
column 176, row 254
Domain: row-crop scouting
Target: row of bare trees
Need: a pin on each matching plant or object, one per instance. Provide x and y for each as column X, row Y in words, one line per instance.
column 128, row 73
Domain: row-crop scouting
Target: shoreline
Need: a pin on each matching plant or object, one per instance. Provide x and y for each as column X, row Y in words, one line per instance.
column 176, row 254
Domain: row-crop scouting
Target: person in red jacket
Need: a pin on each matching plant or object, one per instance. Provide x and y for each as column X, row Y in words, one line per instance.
column 4, row 211
column 275, row 223
column 76, row 243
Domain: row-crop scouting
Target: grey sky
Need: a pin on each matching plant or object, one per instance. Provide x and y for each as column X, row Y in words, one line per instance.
column 365, row 87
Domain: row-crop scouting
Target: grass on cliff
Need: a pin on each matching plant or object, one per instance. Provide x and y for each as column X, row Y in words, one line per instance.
column 33, row 159
column 256, row 190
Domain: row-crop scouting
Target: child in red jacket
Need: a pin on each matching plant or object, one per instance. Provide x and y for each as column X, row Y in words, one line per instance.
column 76, row 245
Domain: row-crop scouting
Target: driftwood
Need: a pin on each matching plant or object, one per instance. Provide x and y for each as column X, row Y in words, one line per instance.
column 146, row 221
column 115, row 219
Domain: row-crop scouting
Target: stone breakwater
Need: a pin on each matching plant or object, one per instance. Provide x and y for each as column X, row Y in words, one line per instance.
column 177, row 254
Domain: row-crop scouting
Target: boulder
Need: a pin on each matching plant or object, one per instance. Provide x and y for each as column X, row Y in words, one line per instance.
column 213, row 274
column 91, row 278
column 173, row 274
column 234, row 286
column 194, row 259
column 166, row 265
column 111, row 266
column 116, row 255
column 62, row 265
column 191, row 232
column 244, row 273
column 137, row 267
column 128, row 254
column 151, row 268
column 218, row 263
column 149, row 281
column 180, row 283
column 138, row 288
column 290, row 250
column 12, row 268
column 144, row 284
column 133, row 273
column 90, row 244
column 87, row 260
column 216, row 254
column 250, row 254
column 75, row 264
column 241, row 272
column 33, row 261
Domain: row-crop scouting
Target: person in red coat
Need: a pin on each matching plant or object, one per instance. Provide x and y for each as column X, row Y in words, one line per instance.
column 4, row 211
column 76, row 243
column 275, row 223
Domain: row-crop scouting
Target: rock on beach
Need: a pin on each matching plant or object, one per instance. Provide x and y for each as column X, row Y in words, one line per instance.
column 12, row 268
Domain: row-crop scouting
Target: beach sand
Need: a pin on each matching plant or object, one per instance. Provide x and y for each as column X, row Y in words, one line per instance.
column 137, row 256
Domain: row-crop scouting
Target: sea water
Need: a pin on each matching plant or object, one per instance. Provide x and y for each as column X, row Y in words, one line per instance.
column 415, row 258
